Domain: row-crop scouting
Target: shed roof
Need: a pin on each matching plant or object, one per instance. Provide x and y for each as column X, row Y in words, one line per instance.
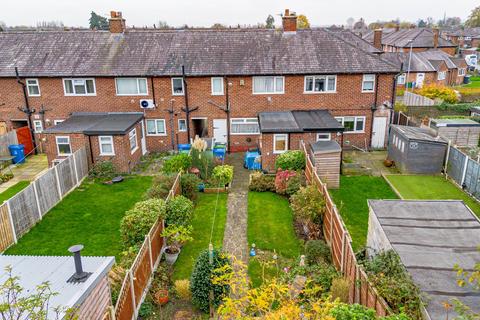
column 455, row 123
column 431, row 237
column 34, row 270
column 418, row 134
column 320, row 147
column 298, row 121
column 96, row 123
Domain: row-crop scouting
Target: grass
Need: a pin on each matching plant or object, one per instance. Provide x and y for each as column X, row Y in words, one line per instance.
column 431, row 188
column 474, row 83
column 13, row 190
column 202, row 224
column 90, row 215
column 351, row 200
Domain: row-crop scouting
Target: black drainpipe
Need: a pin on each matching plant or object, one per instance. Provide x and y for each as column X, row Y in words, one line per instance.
column 153, row 92
column 91, row 150
column 374, row 107
column 27, row 110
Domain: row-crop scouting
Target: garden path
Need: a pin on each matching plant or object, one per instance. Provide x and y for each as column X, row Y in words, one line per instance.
column 235, row 237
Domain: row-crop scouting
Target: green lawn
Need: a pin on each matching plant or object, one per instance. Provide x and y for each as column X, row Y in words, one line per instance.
column 474, row 83
column 351, row 200
column 90, row 215
column 431, row 188
column 13, row 190
column 202, row 224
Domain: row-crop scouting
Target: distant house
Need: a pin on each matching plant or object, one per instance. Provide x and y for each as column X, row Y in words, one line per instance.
column 466, row 38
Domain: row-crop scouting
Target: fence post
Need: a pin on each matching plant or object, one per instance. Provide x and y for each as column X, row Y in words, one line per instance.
column 342, row 260
column 132, row 289
column 75, row 169
column 147, row 238
column 445, row 167
column 58, row 183
column 464, row 170
column 37, row 201
column 11, row 222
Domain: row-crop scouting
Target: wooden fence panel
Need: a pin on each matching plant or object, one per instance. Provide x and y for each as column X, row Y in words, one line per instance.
column 24, row 210
column 6, row 140
column 141, row 272
column 66, row 175
column 81, row 163
column 124, row 310
column 47, row 191
column 156, row 241
column 6, row 232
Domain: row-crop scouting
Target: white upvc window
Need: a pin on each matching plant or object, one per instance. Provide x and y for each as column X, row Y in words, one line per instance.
column 240, row 126
column 106, row 145
column 319, row 84
column 177, row 87
column 57, row 121
column 37, row 126
column 33, row 87
column 156, row 127
column 280, row 143
column 79, row 87
column 131, row 86
column 402, row 78
column 324, row 136
column 182, row 125
column 461, row 72
column 441, row 75
column 352, row 124
column 132, row 137
column 217, row 86
column 368, row 83
column 63, row 145
column 268, row 85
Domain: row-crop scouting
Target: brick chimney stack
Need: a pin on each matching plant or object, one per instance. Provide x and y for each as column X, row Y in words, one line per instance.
column 377, row 39
column 116, row 22
column 289, row 21
column 436, row 33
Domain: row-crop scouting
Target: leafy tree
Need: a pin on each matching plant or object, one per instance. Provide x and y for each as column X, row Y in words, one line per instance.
column 3, row 26
column 472, row 279
column 302, row 22
column 474, row 18
column 270, row 22
column 162, row 25
column 421, row 23
column 98, row 22
column 218, row 26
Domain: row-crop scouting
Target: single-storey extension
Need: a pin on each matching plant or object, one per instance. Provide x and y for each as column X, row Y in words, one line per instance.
column 460, row 132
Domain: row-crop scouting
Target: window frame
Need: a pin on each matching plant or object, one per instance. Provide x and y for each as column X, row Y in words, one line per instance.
column 57, row 121
column 131, row 134
column 180, row 130
column 86, row 94
column 35, row 123
column 183, row 86
column 323, row 139
column 274, row 85
column 354, row 124
column 314, row 77
column 212, row 79
column 444, row 75
column 100, row 146
column 461, row 74
column 275, row 151
column 138, row 87
column 69, row 145
column 244, row 121
column 364, row 81
column 37, row 85
column 404, row 77
column 156, row 134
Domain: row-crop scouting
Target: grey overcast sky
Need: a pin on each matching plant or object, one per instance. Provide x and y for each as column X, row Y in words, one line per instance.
column 208, row 12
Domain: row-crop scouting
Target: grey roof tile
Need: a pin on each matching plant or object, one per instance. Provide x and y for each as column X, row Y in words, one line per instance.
column 422, row 38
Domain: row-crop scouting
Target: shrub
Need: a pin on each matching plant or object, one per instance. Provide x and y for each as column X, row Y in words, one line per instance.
column 308, row 205
column 293, row 185
column 182, row 288
column 137, row 221
column 178, row 163
column 179, row 211
column 352, row 311
column 147, row 308
column 177, row 236
column 199, row 144
column 434, row 91
column 281, row 180
column 261, row 182
column 318, row 275
column 317, row 251
column 4, row 177
column 161, row 186
column 203, row 160
column 201, row 280
column 469, row 94
column 103, row 170
column 223, row 174
column 340, row 289
column 189, row 183
column 291, row 160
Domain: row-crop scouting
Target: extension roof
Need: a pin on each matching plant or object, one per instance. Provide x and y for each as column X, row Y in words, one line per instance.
column 417, row 134
column 422, row 38
column 203, row 52
column 298, row 121
column 425, row 61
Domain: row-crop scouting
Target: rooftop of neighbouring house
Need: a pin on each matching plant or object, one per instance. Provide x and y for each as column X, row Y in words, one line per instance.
column 431, row 237
column 421, row 37
column 455, row 122
column 418, row 134
column 425, row 61
column 35, row 270
column 96, row 123
column 298, row 121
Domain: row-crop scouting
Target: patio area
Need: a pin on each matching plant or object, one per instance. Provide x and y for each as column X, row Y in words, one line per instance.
column 27, row 171
column 356, row 162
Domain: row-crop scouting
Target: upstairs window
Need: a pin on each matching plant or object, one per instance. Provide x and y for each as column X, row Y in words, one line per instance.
column 177, row 87
column 217, row 86
column 268, row 85
column 37, row 126
column 368, row 83
column 315, row 84
column 79, row 87
column 33, row 88
column 244, row 126
column 131, row 86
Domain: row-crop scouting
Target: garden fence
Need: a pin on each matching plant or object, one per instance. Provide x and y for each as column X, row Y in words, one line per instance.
column 6, row 140
column 21, row 212
column 343, row 256
column 464, row 170
column 413, row 99
column 139, row 277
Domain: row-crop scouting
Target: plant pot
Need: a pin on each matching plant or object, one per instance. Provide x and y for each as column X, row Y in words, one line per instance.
column 170, row 258
column 161, row 297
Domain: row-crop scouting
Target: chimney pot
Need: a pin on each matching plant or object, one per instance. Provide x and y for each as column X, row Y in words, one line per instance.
column 377, row 38
column 116, row 22
column 289, row 21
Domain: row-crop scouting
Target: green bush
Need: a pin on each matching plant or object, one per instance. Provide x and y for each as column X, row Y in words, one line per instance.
column 203, row 161
column 261, row 182
column 138, row 221
column 178, row 163
column 179, row 211
column 340, row 289
column 201, row 280
column 308, row 205
column 355, row 311
column 317, row 251
column 161, row 186
column 318, row 275
column 222, row 175
column 4, row 177
column 291, row 160
column 189, row 183
column 103, row 170
column 293, row 185
column 434, row 91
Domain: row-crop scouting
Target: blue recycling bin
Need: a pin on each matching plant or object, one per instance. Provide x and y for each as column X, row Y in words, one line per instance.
column 250, row 161
column 18, row 153
column 184, row 147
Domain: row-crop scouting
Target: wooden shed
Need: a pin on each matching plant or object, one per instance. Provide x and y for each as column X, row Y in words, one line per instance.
column 416, row 150
column 461, row 132
column 326, row 156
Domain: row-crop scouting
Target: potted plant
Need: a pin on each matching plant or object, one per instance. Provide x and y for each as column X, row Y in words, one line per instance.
column 161, row 296
column 176, row 236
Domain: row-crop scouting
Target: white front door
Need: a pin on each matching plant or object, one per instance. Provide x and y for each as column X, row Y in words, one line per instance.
column 420, row 79
column 143, row 142
column 220, row 130
column 378, row 132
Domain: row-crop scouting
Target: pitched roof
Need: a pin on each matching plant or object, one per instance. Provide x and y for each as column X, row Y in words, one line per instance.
column 424, row 61
column 422, row 38
column 298, row 121
column 96, row 123
column 202, row 52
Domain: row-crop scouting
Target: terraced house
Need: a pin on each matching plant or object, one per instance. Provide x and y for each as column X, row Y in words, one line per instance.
column 125, row 92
